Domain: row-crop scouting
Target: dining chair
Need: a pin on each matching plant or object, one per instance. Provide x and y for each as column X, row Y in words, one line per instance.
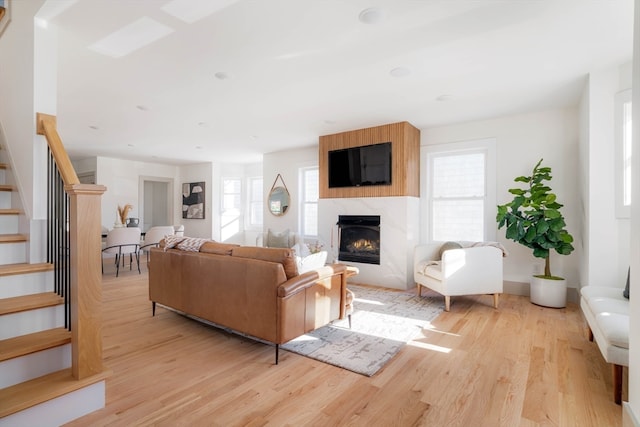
column 122, row 241
column 154, row 235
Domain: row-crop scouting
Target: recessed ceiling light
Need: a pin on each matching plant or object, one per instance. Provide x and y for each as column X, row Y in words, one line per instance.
column 221, row 75
column 202, row 124
column 400, row 72
column 330, row 122
column 130, row 145
column 94, row 127
column 372, row 15
column 444, row 98
column 198, row 147
column 142, row 107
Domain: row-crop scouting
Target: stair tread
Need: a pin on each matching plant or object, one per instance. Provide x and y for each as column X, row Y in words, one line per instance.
column 12, row 238
column 4, row 187
column 24, row 268
column 39, row 390
column 29, row 302
column 10, row 211
column 26, row 344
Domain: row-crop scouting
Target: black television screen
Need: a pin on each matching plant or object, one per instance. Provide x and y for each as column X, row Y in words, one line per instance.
column 364, row 165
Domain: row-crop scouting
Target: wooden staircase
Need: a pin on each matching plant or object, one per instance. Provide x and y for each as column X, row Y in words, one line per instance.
column 35, row 346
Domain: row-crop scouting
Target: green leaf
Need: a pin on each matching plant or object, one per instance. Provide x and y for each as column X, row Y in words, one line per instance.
column 522, row 179
column 512, row 231
column 542, row 227
column 530, row 234
column 540, row 253
column 516, row 191
column 552, row 213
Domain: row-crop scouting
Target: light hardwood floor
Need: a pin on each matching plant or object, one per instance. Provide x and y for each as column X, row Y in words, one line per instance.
column 520, row 365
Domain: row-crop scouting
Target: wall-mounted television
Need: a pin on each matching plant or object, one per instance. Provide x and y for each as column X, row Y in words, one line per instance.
column 359, row 166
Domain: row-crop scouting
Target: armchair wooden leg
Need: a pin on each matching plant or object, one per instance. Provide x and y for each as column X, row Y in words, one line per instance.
column 419, row 289
column 495, row 300
column 590, row 335
column 617, row 384
column 447, row 303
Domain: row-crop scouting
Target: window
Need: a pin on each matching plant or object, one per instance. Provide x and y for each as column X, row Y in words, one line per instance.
column 256, row 199
column 460, row 191
column 623, row 153
column 309, row 185
column 230, row 221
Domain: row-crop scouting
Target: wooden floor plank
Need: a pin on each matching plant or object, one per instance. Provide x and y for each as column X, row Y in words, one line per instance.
column 519, row 365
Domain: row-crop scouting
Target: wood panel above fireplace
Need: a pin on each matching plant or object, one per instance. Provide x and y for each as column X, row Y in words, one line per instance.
column 405, row 156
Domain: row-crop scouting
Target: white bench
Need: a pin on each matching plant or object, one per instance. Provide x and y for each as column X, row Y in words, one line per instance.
column 607, row 313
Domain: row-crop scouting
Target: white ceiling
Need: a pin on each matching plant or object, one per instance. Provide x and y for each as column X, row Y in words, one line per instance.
column 298, row 69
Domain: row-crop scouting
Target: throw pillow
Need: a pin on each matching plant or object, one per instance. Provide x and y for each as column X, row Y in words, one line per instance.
column 625, row 293
column 278, row 240
column 311, row 262
column 172, row 241
column 449, row 245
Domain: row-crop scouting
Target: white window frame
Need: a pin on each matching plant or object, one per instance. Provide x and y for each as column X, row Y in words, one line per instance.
column 428, row 152
column 622, row 210
column 251, row 199
column 303, row 201
column 240, row 215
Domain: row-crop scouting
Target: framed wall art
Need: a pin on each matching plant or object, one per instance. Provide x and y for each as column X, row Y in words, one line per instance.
column 193, row 199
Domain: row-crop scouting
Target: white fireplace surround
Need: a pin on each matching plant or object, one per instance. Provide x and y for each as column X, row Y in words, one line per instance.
column 399, row 234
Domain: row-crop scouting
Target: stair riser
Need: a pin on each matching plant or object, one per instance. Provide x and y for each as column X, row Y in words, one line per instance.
column 26, row 284
column 25, row 368
column 5, row 200
column 27, row 322
column 9, row 224
column 12, row 253
column 61, row 410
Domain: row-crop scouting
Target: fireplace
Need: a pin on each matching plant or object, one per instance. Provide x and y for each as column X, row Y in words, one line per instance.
column 359, row 238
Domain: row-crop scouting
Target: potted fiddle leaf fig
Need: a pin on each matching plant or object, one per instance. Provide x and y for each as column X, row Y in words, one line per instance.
column 533, row 219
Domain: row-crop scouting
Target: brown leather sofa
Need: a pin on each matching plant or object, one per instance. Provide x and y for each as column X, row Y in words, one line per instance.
column 251, row 290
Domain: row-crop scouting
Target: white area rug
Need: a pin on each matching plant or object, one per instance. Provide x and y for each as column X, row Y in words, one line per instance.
column 383, row 321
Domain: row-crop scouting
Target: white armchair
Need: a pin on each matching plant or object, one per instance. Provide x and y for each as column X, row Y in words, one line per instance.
column 153, row 236
column 475, row 270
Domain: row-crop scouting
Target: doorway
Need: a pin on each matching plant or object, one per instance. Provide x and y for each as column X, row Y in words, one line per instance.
column 156, row 202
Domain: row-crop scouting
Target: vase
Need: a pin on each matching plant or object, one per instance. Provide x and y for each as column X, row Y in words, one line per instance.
column 548, row 292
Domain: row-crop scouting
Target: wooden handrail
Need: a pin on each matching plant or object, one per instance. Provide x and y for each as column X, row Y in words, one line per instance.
column 46, row 125
column 2, row 12
column 84, row 226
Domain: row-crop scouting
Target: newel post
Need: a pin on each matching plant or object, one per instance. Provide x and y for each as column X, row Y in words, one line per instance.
column 86, row 281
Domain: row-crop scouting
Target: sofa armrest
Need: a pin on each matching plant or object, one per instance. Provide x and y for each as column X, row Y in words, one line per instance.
column 428, row 252
column 299, row 283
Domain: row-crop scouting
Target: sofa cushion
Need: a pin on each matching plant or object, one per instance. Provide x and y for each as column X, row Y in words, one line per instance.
column 615, row 327
column 283, row 256
column 430, row 268
column 217, row 248
column 608, row 305
column 589, row 292
column 278, row 239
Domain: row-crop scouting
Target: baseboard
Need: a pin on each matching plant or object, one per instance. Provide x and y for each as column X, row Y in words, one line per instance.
column 522, row 288
column 628, row 418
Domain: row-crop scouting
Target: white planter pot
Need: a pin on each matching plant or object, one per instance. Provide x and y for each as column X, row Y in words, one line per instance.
column 549, row 293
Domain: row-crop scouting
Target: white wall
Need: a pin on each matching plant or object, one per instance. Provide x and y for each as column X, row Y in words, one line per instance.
column 199, row 227
column 632, row 410
column 121, row 177
column 287, row 164
column 521, row 141
column 606, row 237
